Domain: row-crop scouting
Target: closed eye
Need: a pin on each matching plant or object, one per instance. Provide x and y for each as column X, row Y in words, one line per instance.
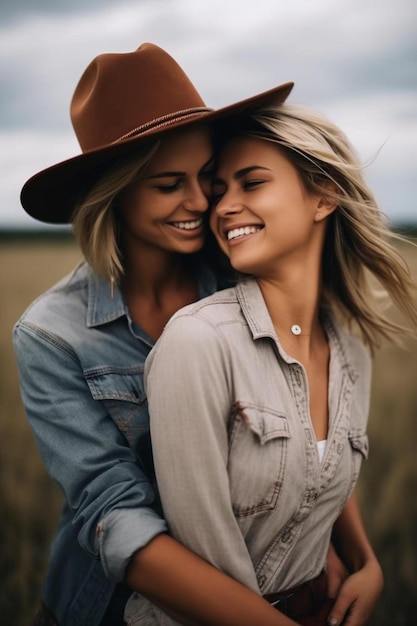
column 248, row 185
column 170, row 187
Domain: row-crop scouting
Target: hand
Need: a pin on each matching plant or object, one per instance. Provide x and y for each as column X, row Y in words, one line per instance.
column 336, row 572
column 357, row 597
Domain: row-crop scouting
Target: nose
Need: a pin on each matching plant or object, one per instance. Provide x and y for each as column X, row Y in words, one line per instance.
column 226, row 205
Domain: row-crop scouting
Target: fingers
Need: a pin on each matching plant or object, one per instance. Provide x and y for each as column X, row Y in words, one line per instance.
column 357, row 596
column 348, row 610
column 339, row 610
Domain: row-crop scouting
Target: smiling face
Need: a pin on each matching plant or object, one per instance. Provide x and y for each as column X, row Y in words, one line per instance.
column 263, row 217
column 164, row 209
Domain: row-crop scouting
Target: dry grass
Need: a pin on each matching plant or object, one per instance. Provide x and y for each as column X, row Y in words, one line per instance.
column 30, row 502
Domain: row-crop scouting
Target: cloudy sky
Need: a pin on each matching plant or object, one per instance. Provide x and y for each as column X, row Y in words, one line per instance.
column 355, row 60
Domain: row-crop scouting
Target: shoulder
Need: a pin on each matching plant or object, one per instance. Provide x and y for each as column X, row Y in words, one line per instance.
column 60, row 308
column 215, row 309
column 195, row 334
column 202, row 322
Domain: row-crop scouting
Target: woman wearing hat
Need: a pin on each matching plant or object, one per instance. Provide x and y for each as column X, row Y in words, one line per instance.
column 257, row 468
column 136, row 197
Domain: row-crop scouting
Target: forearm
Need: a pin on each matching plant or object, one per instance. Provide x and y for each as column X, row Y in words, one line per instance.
column 185, row 585
column 350, row 538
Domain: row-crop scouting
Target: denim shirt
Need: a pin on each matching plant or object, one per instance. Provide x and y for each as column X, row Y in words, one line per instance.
column 235, row 451
column 81, row 362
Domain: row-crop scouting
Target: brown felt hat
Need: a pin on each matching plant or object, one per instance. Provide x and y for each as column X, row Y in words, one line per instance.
column 120, row 100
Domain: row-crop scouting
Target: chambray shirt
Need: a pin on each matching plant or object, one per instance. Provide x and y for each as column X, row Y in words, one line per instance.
column 81, row 361
column 235, row 452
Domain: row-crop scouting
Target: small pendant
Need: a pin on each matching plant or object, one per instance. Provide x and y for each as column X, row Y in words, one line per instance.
column 295, row 329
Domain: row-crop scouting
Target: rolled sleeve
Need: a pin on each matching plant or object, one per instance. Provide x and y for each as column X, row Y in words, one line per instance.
column 84, row 452
column 122, row 533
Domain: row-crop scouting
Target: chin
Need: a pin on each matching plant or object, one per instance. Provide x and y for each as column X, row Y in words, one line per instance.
column 190, row 249
column 241, row 266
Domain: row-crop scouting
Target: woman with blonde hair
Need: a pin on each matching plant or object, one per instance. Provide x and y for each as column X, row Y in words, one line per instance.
column 136, row 196
column 260, row 433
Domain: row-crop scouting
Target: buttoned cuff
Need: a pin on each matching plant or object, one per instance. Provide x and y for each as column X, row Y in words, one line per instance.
column 121, row 533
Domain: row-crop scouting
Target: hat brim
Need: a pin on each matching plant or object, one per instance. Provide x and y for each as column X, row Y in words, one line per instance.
column 50, row 195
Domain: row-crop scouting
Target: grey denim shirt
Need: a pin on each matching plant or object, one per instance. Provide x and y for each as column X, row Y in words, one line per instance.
column 235, row 452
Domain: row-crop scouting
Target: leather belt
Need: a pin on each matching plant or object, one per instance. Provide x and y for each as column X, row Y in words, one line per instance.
column 301, row 601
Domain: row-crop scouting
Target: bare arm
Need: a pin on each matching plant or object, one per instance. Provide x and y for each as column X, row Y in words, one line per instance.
column 360, row 591
column 195, row 592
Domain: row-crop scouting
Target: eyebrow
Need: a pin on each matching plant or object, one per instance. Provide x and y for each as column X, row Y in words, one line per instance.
column 245, row 170
column 166, row 175
column 177, row 174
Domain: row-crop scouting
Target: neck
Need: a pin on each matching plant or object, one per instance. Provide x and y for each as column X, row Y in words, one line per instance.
column 155, row 287
column 152, row 273
column 293, row 304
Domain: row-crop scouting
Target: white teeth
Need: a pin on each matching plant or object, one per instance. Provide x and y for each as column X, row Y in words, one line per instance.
column 188, row 225
column 239, row 232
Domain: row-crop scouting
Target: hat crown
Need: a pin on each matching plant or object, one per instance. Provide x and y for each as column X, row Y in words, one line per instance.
column 122, row 94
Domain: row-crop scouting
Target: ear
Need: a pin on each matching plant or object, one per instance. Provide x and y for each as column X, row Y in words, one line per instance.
column 326, row 204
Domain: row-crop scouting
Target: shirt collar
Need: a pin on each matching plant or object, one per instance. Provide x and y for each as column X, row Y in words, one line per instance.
column 254, row 309
column 103, row 306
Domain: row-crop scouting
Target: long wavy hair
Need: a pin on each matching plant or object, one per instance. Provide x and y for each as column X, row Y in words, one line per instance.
column 360, row 260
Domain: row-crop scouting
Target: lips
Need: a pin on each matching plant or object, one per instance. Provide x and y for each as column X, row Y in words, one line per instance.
column 242, row 231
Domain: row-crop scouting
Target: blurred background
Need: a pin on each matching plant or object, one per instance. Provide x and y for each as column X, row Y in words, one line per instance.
column 355, row 61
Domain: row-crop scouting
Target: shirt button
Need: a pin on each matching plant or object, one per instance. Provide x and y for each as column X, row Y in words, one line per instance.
column 286, row 536
column 340, row 448
column 309, row 496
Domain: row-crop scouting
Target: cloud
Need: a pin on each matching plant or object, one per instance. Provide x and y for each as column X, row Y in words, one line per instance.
column 13, row 12
column 354, row 60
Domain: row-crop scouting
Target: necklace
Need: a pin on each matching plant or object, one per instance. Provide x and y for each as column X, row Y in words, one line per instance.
column 296, row 329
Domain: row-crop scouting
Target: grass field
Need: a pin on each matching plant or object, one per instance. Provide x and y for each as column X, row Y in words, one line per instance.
column 30, row 502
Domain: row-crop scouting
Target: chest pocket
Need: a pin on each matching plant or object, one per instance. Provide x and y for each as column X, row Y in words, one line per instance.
column 122, row 393
column 258, row 448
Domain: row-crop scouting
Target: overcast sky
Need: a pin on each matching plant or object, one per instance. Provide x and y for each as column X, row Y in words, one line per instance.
column 355, row 60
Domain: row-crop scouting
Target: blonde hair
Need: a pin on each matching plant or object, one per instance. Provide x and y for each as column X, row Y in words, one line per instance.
column 358, row 239
column 95, row 220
